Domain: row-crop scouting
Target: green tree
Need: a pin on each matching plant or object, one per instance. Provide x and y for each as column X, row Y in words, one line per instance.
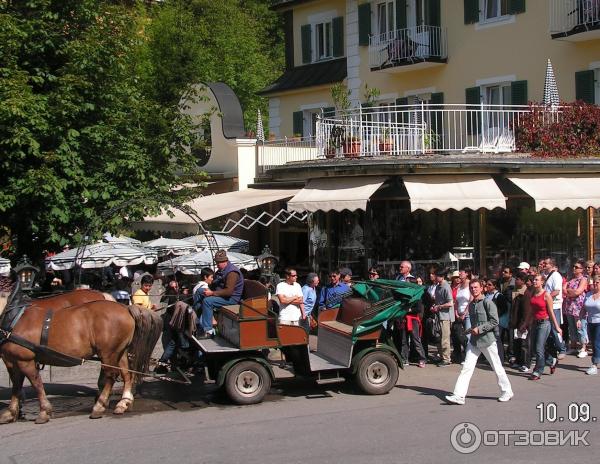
column 78, row 132
column 238, row 42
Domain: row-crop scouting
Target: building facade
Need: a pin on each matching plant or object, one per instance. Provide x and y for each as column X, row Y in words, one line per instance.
column 425, row 167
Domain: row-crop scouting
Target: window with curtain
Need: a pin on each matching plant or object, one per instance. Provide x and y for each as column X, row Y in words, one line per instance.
column 492, row 9
column 385, row 17
column 324, row 40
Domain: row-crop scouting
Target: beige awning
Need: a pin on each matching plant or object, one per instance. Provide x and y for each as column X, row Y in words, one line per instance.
column 214, row 206
column 336, row 193
column 551, row 191
column 457, row 192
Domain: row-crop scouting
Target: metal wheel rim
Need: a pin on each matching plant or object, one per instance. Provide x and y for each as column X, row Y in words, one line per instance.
column 377, row 373
column 248, row 382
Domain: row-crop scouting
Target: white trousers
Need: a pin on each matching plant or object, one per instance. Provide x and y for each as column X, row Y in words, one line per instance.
column 491, row 354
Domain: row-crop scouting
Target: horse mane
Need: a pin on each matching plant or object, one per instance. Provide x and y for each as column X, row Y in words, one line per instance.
column 148, row 327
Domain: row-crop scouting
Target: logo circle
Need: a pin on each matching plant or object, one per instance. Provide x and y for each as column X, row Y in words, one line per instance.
column 465, row 438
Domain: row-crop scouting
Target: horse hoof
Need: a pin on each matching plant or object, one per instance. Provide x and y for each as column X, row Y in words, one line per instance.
column 7, row 417
column 97, row 414
column 42, row 418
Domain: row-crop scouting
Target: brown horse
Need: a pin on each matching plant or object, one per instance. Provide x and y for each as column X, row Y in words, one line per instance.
column 84, row 324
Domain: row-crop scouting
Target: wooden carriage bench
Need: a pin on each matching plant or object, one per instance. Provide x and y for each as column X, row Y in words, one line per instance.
column 250, row 324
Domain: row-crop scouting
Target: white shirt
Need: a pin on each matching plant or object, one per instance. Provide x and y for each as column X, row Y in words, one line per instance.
column 554, row 282
column 201, row 284
column 463, row 296
column 289, row 312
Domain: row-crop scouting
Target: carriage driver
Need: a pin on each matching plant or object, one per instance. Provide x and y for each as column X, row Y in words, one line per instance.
column 226, row 289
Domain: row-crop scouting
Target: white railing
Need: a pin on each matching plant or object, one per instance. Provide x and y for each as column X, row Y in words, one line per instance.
column 279, row 152
column 568, row 15
column 406, row 46
column 405, row 130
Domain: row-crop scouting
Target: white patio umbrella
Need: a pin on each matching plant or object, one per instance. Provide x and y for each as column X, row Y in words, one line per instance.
column 193, row 263
column 4, row 267
column 101, row 255
column 224, row 242
column 109, row 238
column 260, row 130
column 551, row 97
column 170, row 246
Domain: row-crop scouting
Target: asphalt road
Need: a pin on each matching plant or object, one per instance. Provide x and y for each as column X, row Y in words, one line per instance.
column 301, row 422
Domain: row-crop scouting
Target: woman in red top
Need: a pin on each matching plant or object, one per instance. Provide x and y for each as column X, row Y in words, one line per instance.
column 542, row 315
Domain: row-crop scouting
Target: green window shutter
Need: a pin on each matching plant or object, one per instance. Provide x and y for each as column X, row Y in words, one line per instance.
column 584, row 86
column 404, row 117
column 516, row 6
column 401, row 14
column 329, row 112
column 434, row 14
column 338, row 36
column 518, row 93
column 298, row 127
column 305, row 34
column 471, row 11
column 288, row 30
column 437, row 99
column 364, row 23
column 473, row 101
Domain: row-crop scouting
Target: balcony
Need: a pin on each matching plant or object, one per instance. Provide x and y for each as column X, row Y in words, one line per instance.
column 404, row 131
column 575, row 20
column 408, row 49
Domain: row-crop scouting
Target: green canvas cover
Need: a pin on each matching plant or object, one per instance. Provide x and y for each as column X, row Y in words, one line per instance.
column 404, row 294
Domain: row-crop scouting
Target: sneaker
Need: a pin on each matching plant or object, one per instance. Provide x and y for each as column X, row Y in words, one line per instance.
column 453, row 399
column 582, row 354
column 554, row 364
column 535, row 376
column 514, row 365
column 593, row 370
column 506, row 396
column 561, row 355
column 421, row 363
column 444, row 364
column 524, row 369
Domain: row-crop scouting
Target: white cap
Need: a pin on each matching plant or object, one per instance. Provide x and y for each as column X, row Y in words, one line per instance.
column 525, row 266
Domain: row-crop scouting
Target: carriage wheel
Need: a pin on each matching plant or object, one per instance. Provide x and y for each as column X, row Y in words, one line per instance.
column 247, row 382
column 377, row 373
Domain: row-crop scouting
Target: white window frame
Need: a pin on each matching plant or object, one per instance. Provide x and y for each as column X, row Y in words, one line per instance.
column 322, row 39
column 500, row 19
column 390, row 16
column 309, row 112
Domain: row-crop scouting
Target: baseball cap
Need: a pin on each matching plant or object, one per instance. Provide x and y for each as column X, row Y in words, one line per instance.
column 525, row 266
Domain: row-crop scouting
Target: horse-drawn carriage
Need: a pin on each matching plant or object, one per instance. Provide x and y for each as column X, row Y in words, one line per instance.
column 351, row 342
column 71, row 328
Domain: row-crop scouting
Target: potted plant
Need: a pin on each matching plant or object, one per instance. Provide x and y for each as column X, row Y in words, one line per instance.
column 429, row 140
column 351, row 146
column 386, row 143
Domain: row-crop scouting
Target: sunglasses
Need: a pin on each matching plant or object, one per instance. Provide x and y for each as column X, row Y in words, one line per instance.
column 577, row 267
column 293, row 275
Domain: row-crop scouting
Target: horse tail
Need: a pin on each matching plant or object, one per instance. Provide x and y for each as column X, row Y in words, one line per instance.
column 148, row 327
column 108, row 297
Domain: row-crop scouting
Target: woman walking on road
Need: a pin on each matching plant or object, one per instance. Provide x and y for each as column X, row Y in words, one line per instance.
column 543, row 316
column 591, row 310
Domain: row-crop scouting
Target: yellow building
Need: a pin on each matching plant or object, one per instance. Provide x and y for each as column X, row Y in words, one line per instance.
column 425, row 167
column 438, row 51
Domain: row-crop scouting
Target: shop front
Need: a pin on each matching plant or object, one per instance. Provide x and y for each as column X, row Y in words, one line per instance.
column 478, row 221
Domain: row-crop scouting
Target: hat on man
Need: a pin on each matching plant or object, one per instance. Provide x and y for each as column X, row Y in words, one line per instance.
column 346, row 271
column 221, row 256
column 454, row 275
column 524, row 266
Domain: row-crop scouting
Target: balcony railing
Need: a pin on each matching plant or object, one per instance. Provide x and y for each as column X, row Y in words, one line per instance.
column 407, row 46
column 405, row 130
column 569, row 17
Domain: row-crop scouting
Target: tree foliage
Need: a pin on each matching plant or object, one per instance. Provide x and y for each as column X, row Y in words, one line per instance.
column 78, row 132
column 238, row 42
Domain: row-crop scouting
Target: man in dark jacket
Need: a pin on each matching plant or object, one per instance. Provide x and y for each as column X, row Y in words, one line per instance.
column 227, row 289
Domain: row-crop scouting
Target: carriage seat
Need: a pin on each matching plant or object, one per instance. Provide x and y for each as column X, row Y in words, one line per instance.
column 351, row 310
column 254, row 300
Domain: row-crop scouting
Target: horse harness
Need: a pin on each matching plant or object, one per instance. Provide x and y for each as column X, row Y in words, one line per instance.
column 42, row 351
